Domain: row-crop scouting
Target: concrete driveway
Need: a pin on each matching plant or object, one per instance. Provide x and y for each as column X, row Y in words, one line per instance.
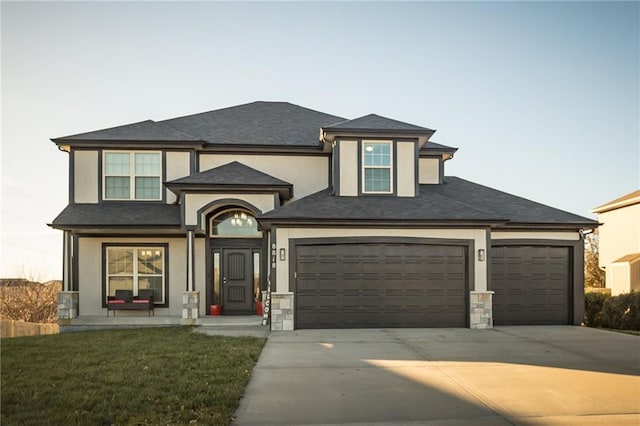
column 509, row 375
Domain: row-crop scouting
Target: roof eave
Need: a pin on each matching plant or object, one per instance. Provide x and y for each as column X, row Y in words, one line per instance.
column 329, row 134
column 285, row 191
column 267, row 223
column 138, row 227
column 550, row 226
column 107, row 143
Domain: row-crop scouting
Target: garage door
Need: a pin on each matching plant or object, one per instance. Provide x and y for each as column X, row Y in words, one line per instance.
column 531, row 285
column 380, row 285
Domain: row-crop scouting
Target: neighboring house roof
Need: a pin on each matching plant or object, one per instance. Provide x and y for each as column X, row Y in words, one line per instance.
column 455, row 200
column 118, row 214
column 257, row 123
column 148, row 130
column 624, row 201
column 233, row 176
column 375, row 122
column 629, row 258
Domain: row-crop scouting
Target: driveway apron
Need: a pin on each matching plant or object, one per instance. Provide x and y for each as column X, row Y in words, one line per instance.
column 504, row 376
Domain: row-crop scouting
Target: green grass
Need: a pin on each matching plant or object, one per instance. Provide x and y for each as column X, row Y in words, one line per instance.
column 151, row 376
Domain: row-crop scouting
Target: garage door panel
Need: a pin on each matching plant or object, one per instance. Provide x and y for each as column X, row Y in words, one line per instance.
column 380, row 285
column 531, row 284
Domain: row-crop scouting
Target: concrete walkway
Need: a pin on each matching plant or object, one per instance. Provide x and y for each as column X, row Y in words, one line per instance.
column 505, row 376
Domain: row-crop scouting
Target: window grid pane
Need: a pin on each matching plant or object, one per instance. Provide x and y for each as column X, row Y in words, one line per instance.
column 117, row 164
column 117, row 187
column 147, row 188
column 148, row 164
column 377, row 154
column 120, row 261
column 150, row 261
column 377, row 180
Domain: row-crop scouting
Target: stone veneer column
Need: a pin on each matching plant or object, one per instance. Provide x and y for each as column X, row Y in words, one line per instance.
column 281, row 312
column 190, row 306
column 481, row 309
column 67, row 306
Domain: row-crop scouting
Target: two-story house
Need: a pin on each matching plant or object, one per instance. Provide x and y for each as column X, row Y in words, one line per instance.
column 345, row 223
column 619, row 242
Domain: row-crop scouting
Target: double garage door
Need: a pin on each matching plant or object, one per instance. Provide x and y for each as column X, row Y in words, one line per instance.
column 380, row 285
column 361, row 285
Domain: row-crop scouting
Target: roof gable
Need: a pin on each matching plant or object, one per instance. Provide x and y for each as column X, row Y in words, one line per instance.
column 232, row 176
column 234, row 173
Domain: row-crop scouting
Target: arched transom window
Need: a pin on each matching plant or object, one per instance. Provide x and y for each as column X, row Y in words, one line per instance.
column 234, row 223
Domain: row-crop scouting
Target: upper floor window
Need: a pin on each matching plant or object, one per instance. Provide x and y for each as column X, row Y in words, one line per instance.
column 377, row 175
column 132, row 175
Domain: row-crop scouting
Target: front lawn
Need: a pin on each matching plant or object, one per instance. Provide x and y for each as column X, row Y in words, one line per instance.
column 135, row 376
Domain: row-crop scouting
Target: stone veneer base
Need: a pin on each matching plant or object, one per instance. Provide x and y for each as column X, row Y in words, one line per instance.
column 281, row 312
column 67, row 305
column 481, row 309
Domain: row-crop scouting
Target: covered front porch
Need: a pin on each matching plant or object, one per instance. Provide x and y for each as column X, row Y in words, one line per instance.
column 250, row 325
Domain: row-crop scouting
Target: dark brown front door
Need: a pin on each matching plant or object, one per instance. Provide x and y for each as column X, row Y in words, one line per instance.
column 237, row 281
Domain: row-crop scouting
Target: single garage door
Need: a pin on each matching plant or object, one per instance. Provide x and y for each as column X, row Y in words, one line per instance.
column 531, row 284
column 380, row 285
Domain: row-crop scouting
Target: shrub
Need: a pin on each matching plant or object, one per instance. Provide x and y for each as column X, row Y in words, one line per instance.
column 593, row 305
column 23, row 300
column 620, row 312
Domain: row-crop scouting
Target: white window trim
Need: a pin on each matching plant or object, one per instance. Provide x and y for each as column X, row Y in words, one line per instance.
column 135, row 276
column 132, row 175
column 389, row 167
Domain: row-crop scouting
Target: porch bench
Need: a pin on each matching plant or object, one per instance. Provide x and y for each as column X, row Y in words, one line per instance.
column 125, row 300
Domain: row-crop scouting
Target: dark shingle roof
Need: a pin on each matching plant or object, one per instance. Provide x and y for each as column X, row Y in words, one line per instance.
column 512, row 207
column 234, row 173
column 257, row 123
column 127, row 214
column 145, row 130
column 232, row 176
column 429, row 206
column 455, row 200
column 375, row 122
column 436, row 148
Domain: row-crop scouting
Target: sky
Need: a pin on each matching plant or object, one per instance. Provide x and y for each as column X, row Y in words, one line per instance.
column 541, row 98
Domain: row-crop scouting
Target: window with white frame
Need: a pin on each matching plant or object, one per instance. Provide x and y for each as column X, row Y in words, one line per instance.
column 136, row 268
column 132, row 175
column 377, row 172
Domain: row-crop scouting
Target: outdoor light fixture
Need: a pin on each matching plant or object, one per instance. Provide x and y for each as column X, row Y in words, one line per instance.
column 481, row 255
column 283, row 254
